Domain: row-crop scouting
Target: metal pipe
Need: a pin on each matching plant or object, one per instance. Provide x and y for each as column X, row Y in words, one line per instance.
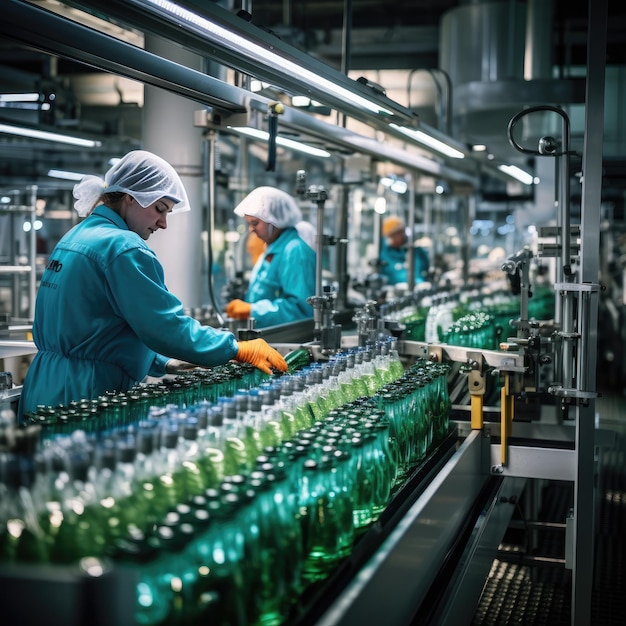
column 210, row 221
column 32, row 254
column 319, row 244
column 346, row 44
column 411, row 245
column 341, row 274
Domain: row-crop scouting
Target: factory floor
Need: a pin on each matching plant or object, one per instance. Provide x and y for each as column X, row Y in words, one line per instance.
column 530, row 586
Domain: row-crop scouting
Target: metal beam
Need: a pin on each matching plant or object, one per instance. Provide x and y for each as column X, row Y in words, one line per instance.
column 192, row 34
column 584, row 484
column 51, row 33
column 534, row 462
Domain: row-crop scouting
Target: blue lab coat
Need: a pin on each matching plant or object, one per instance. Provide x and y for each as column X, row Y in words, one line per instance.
column 394, row 264
column 281, row 281
column 104, row 318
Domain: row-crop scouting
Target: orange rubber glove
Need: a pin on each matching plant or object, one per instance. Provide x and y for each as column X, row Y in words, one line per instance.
column 238, row 309
column 260, row 354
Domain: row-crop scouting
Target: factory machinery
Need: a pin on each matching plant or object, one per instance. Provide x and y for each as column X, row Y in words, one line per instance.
column 521, row 398
column 519, row 387
column 522, row 412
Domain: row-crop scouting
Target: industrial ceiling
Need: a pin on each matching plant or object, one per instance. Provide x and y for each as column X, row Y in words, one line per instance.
column 380, row 40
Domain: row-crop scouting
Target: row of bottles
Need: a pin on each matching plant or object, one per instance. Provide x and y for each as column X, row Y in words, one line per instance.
column 228, row 510
column 471, row 319
column 113, row 409
column 473, row 330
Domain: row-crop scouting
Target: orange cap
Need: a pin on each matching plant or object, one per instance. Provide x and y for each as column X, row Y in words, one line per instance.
column 392, row 224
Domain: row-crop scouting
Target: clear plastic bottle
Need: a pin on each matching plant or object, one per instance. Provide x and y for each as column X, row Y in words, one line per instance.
column 211, row 457
column 21, row 538
column 168, row 485
column 233, row 437
column 82, row 524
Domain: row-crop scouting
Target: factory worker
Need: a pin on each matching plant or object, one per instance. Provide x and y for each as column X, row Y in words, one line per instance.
column 394, row 253
column 284, row 275
column 255, row 245
column 104, row 318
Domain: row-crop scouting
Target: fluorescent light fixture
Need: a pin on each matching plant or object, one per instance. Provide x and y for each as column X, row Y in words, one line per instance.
column 380, row 205
column 262, row 55
column 396, row 185
column 399, row 186
column 431, row 142
column 304, row 102
column 258, row 85
column 47, row 136
column 25, row 101
column 281, row 141
column 19, row 97
column 36, row 225
column 26, row 106
column 517, row 173
column 301, row 101
column 65, row 175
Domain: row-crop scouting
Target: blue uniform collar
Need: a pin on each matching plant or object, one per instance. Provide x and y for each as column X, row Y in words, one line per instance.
column 104, row 211
column 285, row 237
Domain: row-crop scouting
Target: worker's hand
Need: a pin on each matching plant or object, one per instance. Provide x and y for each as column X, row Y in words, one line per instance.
column 260, row 354
column 238, row 309
column 174, row 366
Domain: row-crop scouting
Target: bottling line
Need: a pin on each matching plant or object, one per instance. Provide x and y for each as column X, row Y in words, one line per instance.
column 521, row 360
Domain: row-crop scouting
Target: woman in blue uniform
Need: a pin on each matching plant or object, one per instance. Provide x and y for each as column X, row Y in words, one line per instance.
column 104, row 318
column 284, row 275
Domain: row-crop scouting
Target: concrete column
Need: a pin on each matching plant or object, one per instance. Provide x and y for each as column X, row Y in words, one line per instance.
column 168, row 131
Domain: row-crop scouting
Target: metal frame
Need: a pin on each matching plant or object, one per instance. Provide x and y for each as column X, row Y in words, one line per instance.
column 584, row 484
column 55, row 34
column 147, row 16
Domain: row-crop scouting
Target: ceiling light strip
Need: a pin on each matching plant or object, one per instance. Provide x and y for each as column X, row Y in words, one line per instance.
column 517, row 173
column 32, row 133
column 263, row 56
column 429, row 141
column 19, row 97
column 281, row 141
column 66, row 175
column 61, row 36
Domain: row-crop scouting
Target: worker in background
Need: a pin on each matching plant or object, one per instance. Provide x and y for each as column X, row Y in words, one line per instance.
column 104, row 318
column 394, row 253
column 284, row 275
column 255, row 246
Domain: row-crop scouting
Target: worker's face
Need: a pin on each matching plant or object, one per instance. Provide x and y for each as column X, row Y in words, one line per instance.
column 145, row 221
column 397, row 239
column 265, row 231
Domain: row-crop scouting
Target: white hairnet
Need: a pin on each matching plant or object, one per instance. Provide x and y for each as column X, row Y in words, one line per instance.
column 307, row 232
column 141, row 174
column 271, row 205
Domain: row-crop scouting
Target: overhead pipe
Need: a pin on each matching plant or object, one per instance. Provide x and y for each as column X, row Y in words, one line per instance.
column 145, row 15
column 57, row 35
